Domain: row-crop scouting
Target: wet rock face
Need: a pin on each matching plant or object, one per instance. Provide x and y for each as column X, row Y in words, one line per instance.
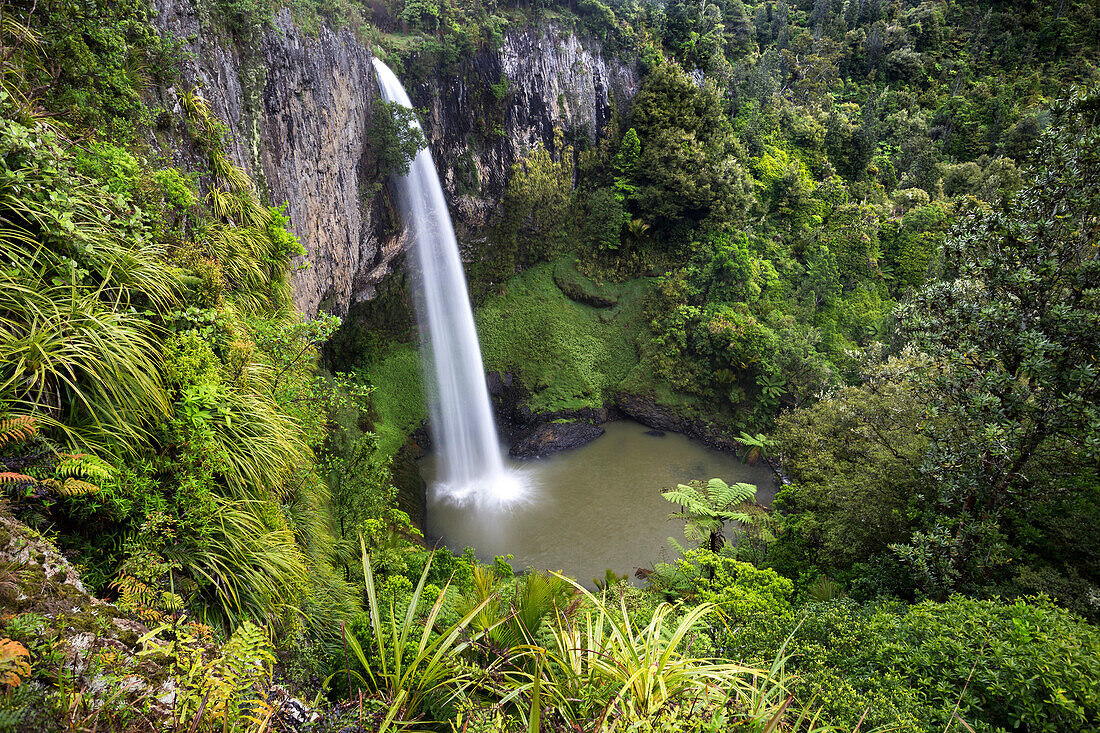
column 550, row 438
column 646, row 410
column 546, row 78
column 298, row 109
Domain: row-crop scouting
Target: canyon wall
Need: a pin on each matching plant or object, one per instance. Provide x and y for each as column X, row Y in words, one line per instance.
column 298, row 110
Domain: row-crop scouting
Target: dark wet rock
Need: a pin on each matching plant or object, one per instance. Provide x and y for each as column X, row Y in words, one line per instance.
column 550, row 438
column 596, row 415
column 656, row 433
column 412, row 491
column 498, row 383
column 650, row 413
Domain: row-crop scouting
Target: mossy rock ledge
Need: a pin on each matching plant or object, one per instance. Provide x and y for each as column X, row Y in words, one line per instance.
column 579, row 288
column 83, row 628
column 553, row 437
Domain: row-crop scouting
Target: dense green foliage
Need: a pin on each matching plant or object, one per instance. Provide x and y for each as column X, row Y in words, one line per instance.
column 161, row 415
column 989, row 662
column 862, row 235
column 973, row 458
column 873, row 236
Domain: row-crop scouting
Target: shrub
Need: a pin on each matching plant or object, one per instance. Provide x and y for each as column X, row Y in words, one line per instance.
column 1001, row 666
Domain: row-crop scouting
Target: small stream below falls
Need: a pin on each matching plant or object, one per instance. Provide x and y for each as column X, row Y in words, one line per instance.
column 592, row 508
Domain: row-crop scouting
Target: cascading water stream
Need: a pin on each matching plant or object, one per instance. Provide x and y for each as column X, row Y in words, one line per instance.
column 462, row 419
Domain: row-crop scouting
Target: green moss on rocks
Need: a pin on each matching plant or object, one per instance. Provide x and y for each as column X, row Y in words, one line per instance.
column 582, row 289
column 561, row 350
column 398, row 396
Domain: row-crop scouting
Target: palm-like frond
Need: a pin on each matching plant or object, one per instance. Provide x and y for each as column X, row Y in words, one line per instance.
column 512, row 620
column 706, row 508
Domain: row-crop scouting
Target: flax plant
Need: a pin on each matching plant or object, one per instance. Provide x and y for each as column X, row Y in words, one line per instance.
column 604, row 672
column 409, row 663
column 603, row 663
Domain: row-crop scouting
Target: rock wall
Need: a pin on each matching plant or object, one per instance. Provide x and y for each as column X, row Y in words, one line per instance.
column 298, row 109
column 553, row 79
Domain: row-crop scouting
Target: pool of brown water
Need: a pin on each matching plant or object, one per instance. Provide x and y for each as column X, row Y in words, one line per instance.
column 591, row 509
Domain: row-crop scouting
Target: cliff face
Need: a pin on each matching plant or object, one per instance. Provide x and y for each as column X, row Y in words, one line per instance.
column 503, row 102
column 298, row 109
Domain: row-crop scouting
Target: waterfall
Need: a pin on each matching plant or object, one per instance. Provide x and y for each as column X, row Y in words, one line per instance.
column 462, row 420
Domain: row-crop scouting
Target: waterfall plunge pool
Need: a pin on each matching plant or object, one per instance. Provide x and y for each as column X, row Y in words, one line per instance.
column 589, row 509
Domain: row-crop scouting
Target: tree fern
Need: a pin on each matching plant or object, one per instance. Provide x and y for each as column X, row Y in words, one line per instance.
column 706, row 508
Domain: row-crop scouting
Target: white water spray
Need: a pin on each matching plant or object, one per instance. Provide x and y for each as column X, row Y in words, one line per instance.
column 462, row 419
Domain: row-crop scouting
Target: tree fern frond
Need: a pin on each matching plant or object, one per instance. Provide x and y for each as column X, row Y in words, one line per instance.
column 686, row 496
column 723, row 494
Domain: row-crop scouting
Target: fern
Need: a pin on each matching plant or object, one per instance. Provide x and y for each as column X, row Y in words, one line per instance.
column 237, row 678
column 14, row 663
column 83, row 465
column 17, row 429
column 11, row 480
column 139, row 598
column 706, row 508
column 76, row 487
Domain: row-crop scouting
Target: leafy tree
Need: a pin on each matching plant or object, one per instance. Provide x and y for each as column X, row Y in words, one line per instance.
column 537, row 201
column 1013, row 329
column 744, row 592
column 912, row 245
column 421, row 14
column 854, row 460
column 923, row 667
column 395, row 137
column 604, row 223
column 689, row 166
column 625, row 166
